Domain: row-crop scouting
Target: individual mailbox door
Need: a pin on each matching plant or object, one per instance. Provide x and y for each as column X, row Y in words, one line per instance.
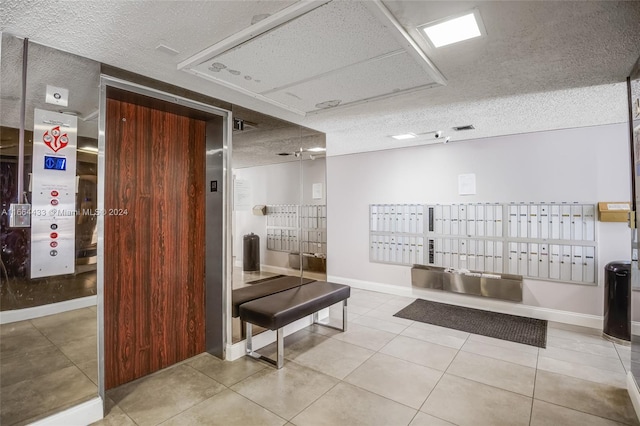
column 588, row 272
column 577, row 263
column 420, row 221
column 513, row 221
column 420, row 251
column 523, row 221
column 407, row 218
column 439, row 249
column 543, row 219
column 480, row 225
column 471, row 255
column 455, row 216
column 463, row 261
column 565, row 222
column 455, row 253
column 513, row 258
column 373, row 217
column 393, row 219
column 413, row 247
column 498, row 257
column 392, row 249
column 438, row 220
column 588, row 215
column 406, row 250
column 499, row 221
column 372, row 248
column 480, row 256
column 489, row 259
column 577, row 223
column 471, row 220
column 565, row 263
column 446, row 220
column 532, row 267
column 490, row 221
column 523, row 259
column 462, row 219
column 413, row 218
column 446, row 252
column 555, row 222
column 534, row 226
column 554, row 261
column 543, row 263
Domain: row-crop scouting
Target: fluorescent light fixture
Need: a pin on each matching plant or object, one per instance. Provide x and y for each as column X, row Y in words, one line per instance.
column 454, row 29
column 404, row 136
column 317, row 149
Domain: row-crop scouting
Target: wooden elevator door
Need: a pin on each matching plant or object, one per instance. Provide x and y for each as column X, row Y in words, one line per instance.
column 154, row 239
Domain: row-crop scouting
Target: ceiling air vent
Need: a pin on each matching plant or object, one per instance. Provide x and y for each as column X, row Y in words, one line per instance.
column 467, row 127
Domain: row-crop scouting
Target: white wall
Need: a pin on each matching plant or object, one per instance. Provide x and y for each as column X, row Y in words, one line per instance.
column 274, row 184
column 588, row 164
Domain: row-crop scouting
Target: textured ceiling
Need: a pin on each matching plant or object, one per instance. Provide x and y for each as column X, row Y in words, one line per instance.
column 541, row 66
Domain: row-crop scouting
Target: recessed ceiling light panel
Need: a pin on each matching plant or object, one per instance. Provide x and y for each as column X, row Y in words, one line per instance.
column 404, row 136
column 317, row 149
column 454, row 29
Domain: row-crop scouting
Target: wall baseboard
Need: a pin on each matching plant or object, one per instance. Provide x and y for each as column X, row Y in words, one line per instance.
column 7, row 317
column 82, row 414
column 634, row 393
column 513, row 308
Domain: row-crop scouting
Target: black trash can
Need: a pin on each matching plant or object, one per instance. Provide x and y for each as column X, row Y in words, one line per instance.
column 617, row 300
column 251, row 252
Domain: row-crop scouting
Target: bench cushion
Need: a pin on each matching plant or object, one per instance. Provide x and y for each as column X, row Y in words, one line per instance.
column 252, row 292
column 282, row 308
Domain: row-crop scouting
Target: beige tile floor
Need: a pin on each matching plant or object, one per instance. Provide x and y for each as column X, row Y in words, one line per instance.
column 390, row 371
column 47, row 364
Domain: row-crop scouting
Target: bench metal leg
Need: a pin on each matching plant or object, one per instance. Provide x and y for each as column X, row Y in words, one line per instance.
column 344, row 318
column 279, row 361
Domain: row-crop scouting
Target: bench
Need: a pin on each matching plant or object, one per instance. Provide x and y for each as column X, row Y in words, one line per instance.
column 280, row 309
column 252, row 292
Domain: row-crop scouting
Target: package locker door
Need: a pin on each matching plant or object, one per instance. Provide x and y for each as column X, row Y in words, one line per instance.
column 480, row 255
column 471, row 255
column 489, row 256
column 543, row 220
column 499, row 220
column 565, row 222
column 373, row 217
column 480, row 225
column 577, row 223
column 455, row 253
column 565, row 263
column 543, row 262
column 498, row 256
column 533, row 261
column 588, row 214
column 455, row 215
column 523, row 259
column 513, row 221
column 439, row 249
column 471, row 220
column 462, row 219
column 588, row 272
column 534, row 226
column 554, row 261
column 576, row 263
column 490, row 221
column 438, row 220
column 513, row 258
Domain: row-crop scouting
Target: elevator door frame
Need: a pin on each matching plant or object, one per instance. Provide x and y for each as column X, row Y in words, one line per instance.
column 225, row 187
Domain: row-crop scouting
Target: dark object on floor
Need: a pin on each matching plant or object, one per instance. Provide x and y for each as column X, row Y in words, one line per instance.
column 274, row 285
column 261, row 280
column 280, row 309
column 528, row 331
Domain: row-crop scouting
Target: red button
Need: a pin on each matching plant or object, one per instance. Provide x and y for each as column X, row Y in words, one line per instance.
column 54, row 235
column 53, row 244
column 54, row 202
column 54, row 193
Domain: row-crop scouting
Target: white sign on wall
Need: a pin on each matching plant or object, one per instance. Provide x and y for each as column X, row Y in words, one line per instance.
column 241, row 194
column 53, row 196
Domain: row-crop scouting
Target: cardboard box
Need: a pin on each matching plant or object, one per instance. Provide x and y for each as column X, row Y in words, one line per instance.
column 614, row 211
